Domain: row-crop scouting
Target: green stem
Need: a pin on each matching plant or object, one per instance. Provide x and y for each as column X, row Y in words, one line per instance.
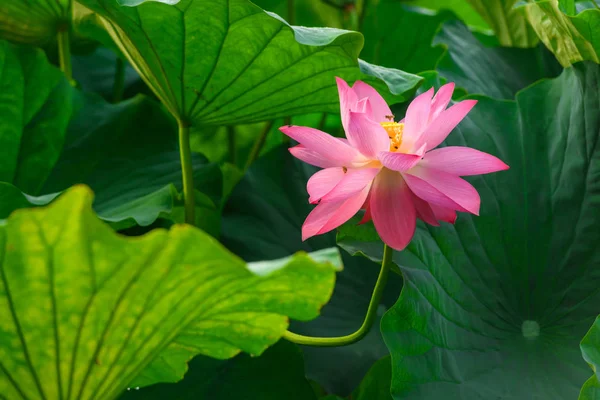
column 185, row 153
column 119, row 84
column 361, row 17
column 258, row 145
column 291, row 11
column 64, row 51
column 231, row 144
column 369, row 318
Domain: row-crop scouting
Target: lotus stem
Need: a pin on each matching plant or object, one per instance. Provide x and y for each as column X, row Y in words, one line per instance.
column 64, row 51
column 258, row 145
column 369, row 318
column 185, row 153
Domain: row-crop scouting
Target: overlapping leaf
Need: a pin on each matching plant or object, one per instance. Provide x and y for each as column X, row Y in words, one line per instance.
column 277, row 374
column 53, row 136
column 88, row 310
column 227, row 61
column 571, row 38
column 33, row 21
column 35, row 109
column 496, row 305
column 415, row 41
column 494, row 71
column 590, row 347
column 509, row 25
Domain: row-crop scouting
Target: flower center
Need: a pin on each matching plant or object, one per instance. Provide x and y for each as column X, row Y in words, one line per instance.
column 394, row 131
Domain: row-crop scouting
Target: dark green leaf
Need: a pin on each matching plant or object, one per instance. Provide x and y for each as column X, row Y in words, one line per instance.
column 400, row 37
column 262, row 220
column 227, row 62
column 130, row 160
column 498, row 72
column 438, row 41
column 496, row 305
column 277, row 374
column 96, row 72
column 35, row 109
column 86, row 310
column 376, row 385
column 128, row 154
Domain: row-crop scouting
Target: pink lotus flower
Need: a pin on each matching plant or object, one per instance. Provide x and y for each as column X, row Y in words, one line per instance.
column 390, row 168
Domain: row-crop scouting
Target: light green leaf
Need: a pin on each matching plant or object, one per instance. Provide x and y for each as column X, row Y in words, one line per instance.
column 87, row 310
column 35, row 109
column 228, row 62
column 509, row 24
column 277, row 374
column 33, row 21
column 505, row 298
column 461, row 8
column 262, row 220
column 571, row 38
column 590, row 348
column 567, row 6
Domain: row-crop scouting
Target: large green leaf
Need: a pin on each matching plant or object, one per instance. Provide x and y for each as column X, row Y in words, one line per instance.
column 86, row 310
column 590, row 348
column 33, row 21
column 461, row 8
column 127, row 153
column 97, row 72
column 277, row 374
column 262, row 219
column 53, row 136
column 35, row 109
column 571, row 38
column 227, row 62
column 376, row 384
column 438, row 41
column 509, row 24
column 400, row 37
column 498, row 72
column 496, row 305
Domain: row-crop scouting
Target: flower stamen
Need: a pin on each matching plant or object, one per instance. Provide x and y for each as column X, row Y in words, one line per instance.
column 394, row 131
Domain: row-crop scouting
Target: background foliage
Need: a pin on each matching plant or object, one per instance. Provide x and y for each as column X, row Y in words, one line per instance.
column 109, row 295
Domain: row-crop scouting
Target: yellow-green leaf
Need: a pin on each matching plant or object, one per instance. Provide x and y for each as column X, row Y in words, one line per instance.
column 571, row 38
column 85, row 310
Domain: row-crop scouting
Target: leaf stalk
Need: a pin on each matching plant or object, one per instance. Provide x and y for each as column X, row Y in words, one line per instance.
column 369, row 318
column 185, row 153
